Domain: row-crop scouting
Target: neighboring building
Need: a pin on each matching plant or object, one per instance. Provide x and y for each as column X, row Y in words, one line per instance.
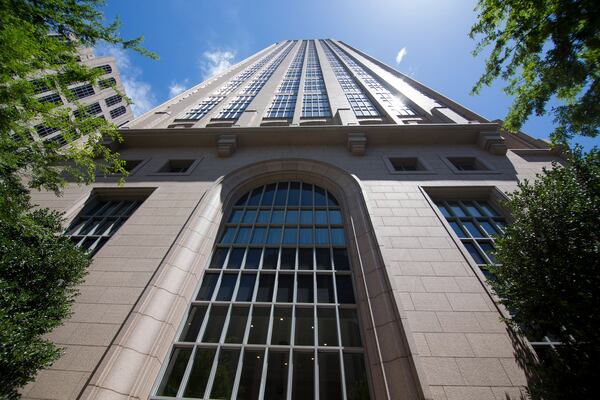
column 310, row 223
column 101, row 100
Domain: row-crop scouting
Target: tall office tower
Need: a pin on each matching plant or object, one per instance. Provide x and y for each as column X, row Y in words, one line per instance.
column 100, row 100
column 310, row 223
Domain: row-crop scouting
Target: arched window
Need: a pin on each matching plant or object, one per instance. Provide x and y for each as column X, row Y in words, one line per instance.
column 275, row 315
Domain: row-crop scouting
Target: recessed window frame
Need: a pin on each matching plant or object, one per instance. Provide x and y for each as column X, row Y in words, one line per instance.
column 423, row 167
column 133, row 171
column 189, row 171
column 484, row 166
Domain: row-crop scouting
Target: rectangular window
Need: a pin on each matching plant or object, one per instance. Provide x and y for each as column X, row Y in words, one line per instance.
column 282, row 107
column 361, row 105
column 80, row 92
column 235, row 108
column 315, row 106
column 117, row 112
column 99, row 221
column 112, row 100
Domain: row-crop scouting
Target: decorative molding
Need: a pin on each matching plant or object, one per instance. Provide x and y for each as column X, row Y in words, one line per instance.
column 493, row 143
column 357, row 143
column 226, row 145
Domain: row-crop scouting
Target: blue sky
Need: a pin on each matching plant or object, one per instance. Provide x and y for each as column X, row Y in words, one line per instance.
column 195, row 38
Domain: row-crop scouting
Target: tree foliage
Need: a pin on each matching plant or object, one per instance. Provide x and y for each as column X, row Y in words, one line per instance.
column 39, row 44
column 544, row 49
column 550, row 274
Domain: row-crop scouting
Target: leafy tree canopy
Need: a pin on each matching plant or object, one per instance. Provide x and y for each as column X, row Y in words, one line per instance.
column 550, row 274
column 544, row 49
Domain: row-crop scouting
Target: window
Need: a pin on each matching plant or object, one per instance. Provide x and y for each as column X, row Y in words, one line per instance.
column 315, row 105
column 106, row 83
column 117, row 112
column 130, row 165
column 106, row 69
column 51, row 98
column 467, row 164
column 203, row 108
column 314, row 85
column 475, row 223
column 44, row 131
column 275, row 305
column 82, row 91
column 98, row 221
column 361, row 105
column 112, row 100
column 177, row 166
column 39, row 86
column 406, row 164
column 289, row 86
column 234, row 109
column 92, row 109
column 282, row 107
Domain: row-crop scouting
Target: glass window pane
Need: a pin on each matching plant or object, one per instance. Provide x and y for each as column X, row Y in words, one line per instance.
column 228, row 235
column 323, row 259
column 474, row 253
column 253, row 258
column 237, row 324
column 319, row 197
column 321, row 217
column 443, row 209
column 305, row 327
column 258, row 236
column 225, row 375
column 193, row 323
column 470, row 206
column 227, row 286
column 266, row 287
column 489, row 228
column 249, row 217
column 263, row 217
column 290, row 235
column 458, row 211
column 212, row 334
column 340, row 259
column 277, row 375
column 306, row 236
column 251, row 375
column 259, row 325
column 305, row 259
column 208, row 286
column 356, row 376
column 172, row 378
column 291, row 218
column 330, row 381
column 218, row 258
column 337, row 237
column 345, row 294
column 270, row 258
column 285, row 288
column 281, row 195
column 294, row 195
column 203, row 360
column 335, row 217
column 331, row 201
column 304, row 372
column 488, row 209
column 282, row 325
column 321, row 236
column 307, row 195
column 235, row 258
column 457, row 229
column 325, row 289
column 242, row 200
column 327, row 327
column 306, row 217
column 488, row 248
column 246, row 288
column 349, row 327
column 268, row 196
column 243, row 235
column 274, row 236
column 277, row 217
column 304, row 293
column 472, row 229
column 288, row 258
column 255, row 197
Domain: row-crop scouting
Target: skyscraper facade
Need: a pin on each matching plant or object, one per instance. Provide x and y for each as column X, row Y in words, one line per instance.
column 99, row 100
column 310, row 223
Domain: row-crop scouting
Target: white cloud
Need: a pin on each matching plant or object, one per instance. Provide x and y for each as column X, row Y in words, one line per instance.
column 138, row 91
column 176, row 88
column 401, row 54
column 215, row 62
